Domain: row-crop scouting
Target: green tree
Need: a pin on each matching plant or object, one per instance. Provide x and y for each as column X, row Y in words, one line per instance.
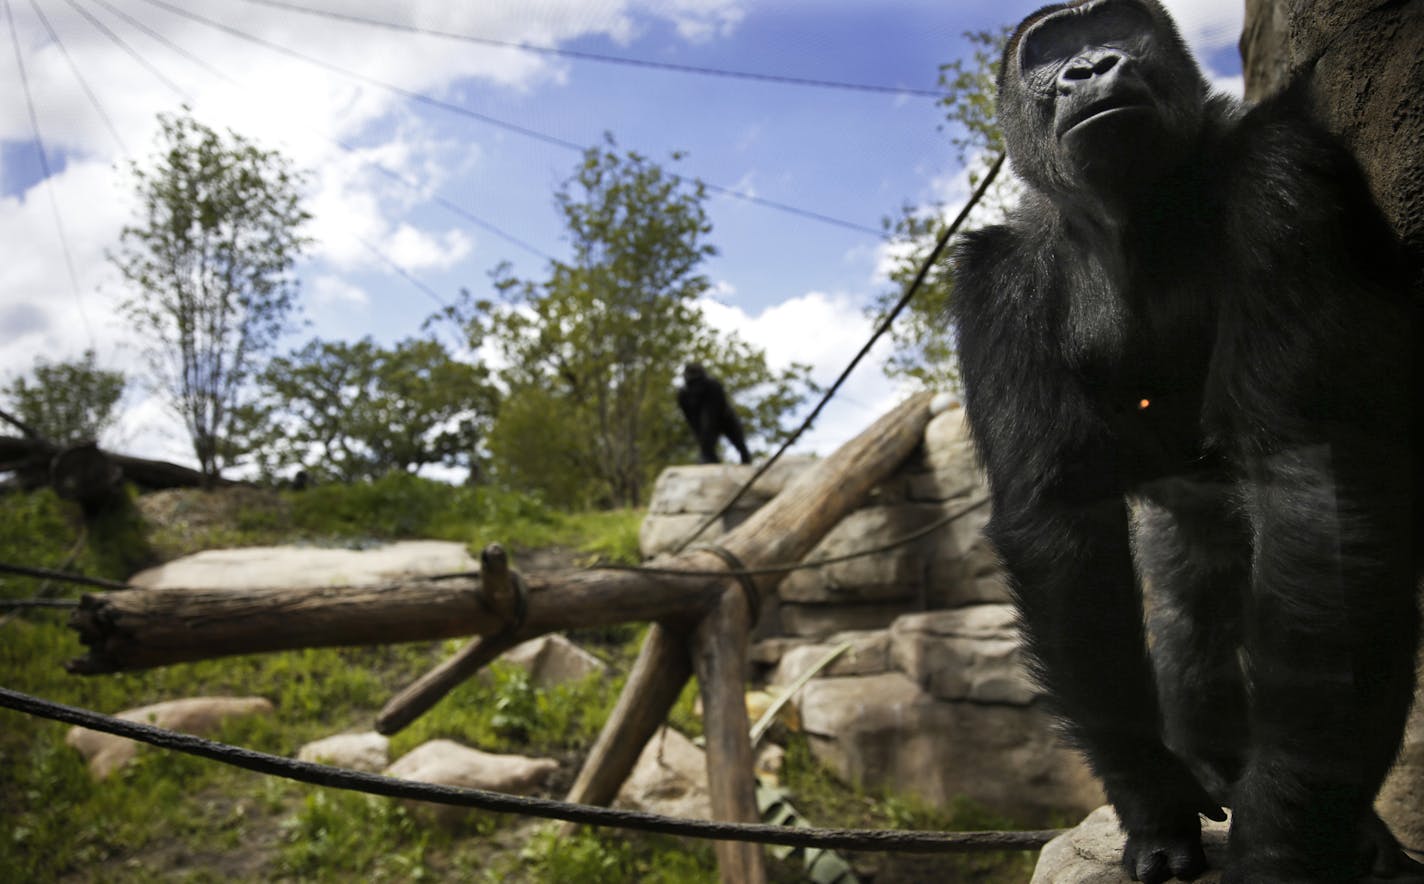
column 924, row 344
column 67, row 402
column 210, row 260
column 591, row 354
column 358, row 411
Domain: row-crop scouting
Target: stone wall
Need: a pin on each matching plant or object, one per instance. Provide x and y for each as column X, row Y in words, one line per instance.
column 931, row 698
column 949, row 568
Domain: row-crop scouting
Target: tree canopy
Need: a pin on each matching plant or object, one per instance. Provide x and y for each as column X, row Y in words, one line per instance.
column 589, row 355
column 210, row 260
column 66, row 402
column 358, row 411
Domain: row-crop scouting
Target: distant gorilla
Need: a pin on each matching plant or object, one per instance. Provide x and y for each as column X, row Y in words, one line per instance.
column 1199, row 309
column 709, row 413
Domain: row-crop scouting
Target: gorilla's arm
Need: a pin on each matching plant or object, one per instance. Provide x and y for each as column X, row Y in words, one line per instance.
column 1308, row 375
column 1060, row 524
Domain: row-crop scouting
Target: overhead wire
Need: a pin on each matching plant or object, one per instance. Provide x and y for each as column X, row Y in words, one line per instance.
column 582, row 55
column 369, row 246
column 133, row 53
column 79, row 77
column 941, row 243
column 495, row 122
column 46, row 171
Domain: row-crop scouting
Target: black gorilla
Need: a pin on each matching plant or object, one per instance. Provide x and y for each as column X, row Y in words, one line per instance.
column 1199, row 309
column 709, row 413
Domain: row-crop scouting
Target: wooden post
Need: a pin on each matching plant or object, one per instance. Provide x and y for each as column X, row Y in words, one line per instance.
column 662, row 668
column 499, row 591
column 719, row 656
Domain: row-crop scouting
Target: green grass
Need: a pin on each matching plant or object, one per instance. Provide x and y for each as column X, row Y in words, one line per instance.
column 176, row 817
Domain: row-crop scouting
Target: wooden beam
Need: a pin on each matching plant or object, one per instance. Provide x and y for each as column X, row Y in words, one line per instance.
column 499, row 593
column 662, row 668
column 720, row 657
column 142, row 628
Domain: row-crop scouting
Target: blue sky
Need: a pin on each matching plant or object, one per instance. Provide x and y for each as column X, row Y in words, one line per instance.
column 794, row 285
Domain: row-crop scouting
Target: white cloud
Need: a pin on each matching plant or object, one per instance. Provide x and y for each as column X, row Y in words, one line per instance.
column 335, row 290
column 824, row 331
column 280, row 102
column 412, row 249
column 700, row 20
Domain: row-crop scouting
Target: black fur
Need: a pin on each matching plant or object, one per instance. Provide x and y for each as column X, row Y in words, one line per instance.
column 710, row 414
column 1188, row 362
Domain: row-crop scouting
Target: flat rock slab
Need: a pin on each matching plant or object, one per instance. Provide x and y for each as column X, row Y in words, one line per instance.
column 200, row 716
column 263, row 567
column 447, row 763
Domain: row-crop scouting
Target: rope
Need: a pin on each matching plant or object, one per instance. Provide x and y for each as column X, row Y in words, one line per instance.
column 62, row 576
column 737, row 569
column 14, row 604
column 885, row 323
column 544, row 808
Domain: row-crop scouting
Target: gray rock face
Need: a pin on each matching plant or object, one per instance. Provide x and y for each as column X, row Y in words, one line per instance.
column 971, row 653
column 950, row 567
column 895, row 575
column 938, row 706
column 886, row 731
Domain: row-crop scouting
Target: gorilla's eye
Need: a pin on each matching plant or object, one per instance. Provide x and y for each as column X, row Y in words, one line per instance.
column 1059, row 37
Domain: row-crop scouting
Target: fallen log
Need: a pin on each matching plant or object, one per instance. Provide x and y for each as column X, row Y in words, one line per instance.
column 143, row 628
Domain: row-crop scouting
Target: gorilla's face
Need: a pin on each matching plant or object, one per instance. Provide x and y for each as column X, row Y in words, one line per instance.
column 1098, row 97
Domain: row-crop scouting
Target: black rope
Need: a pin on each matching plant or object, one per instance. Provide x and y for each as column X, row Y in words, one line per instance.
column 461, row 110
column 48, row 175
column 62, row 576
column 79, row 76
column 738, row 570
column 885, row 323
column 18, row 604
column 544, row 808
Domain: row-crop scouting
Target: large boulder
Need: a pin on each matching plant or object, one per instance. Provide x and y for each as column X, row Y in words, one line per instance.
column 552, row 660
column 367, row 751
column 447, row 763
column 200, row 716
column 1091, row 853
column 1401, row 801
column 670, row 778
